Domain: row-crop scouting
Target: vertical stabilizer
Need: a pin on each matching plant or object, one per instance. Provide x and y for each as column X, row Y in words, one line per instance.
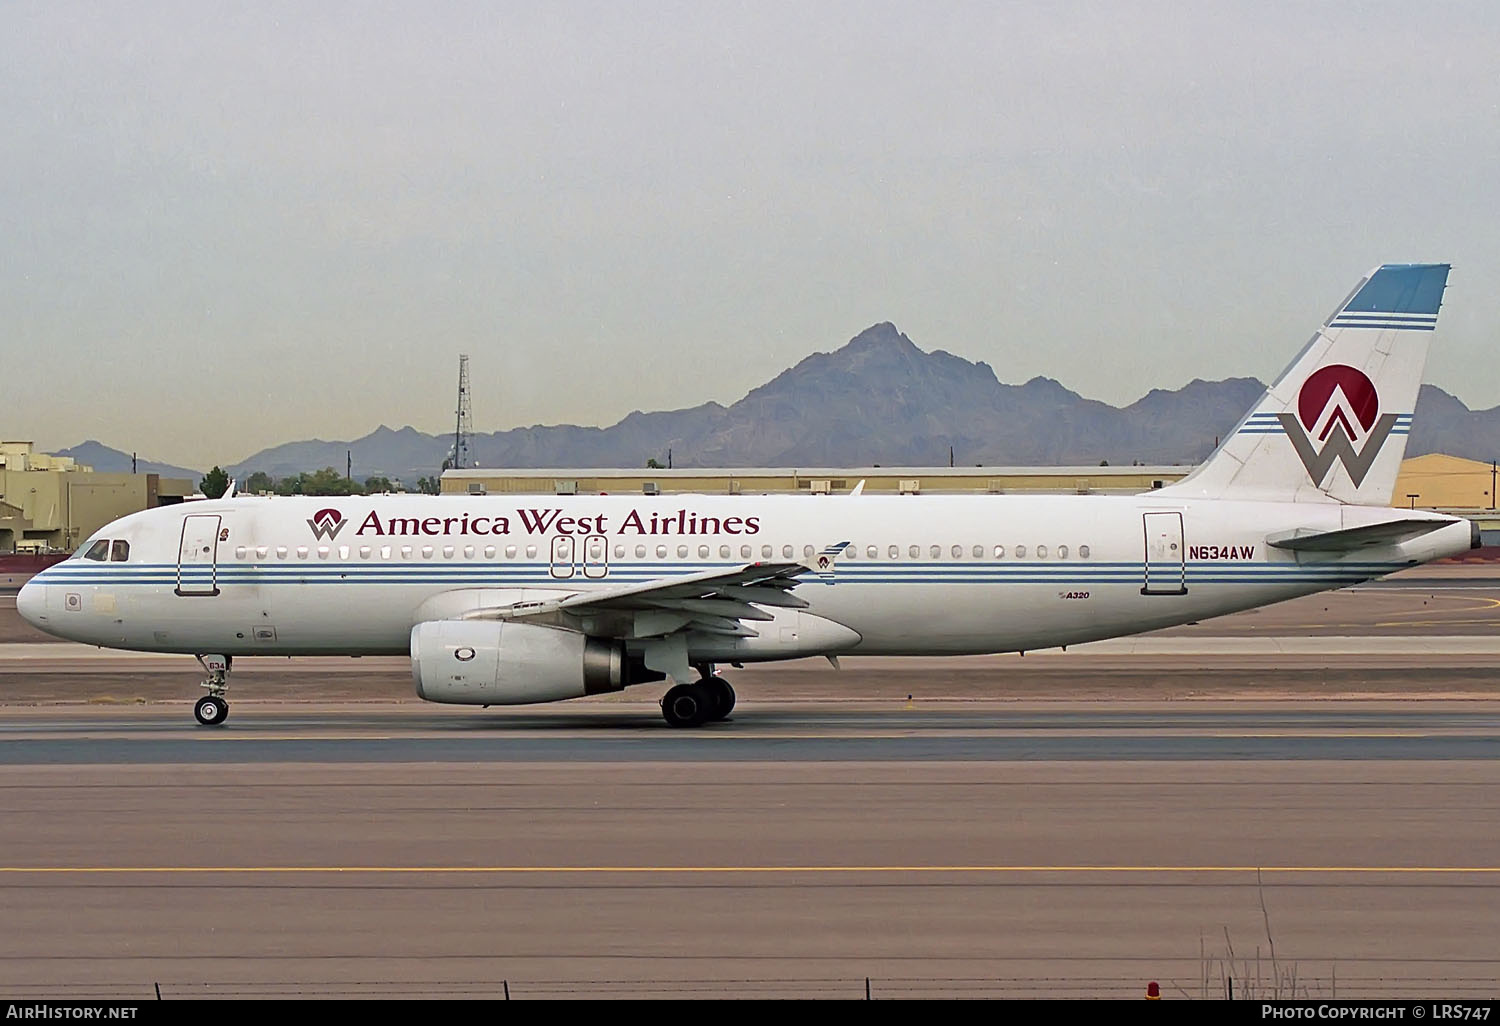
column 1333, row 427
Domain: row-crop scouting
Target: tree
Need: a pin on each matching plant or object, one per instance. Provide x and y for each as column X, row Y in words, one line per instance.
column 427, row 485
column 378, row 484
column 215, row 483
column 258, row 483
column 327, row 481
column 324, row 482
column 654, row 464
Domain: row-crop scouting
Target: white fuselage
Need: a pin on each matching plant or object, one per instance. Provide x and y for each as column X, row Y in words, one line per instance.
column 924, row 575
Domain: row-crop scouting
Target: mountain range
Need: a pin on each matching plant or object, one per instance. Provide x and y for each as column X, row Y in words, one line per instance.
column 877, row 400
column 112, row 461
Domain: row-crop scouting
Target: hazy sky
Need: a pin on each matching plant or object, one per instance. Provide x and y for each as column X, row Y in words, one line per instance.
column 224, row 226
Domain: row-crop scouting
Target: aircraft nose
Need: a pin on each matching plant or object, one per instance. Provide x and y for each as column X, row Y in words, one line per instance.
column 31, row 603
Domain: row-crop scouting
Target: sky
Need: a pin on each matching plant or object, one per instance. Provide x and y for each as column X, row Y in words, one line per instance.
column 225, row 226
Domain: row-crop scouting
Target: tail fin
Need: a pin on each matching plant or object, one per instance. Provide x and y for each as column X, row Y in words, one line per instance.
column 1333, row 427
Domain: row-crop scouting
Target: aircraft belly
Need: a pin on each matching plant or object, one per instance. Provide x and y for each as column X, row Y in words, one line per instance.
column 967, row 619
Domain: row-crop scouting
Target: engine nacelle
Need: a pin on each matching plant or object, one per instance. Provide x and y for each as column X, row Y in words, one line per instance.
column 495, row 662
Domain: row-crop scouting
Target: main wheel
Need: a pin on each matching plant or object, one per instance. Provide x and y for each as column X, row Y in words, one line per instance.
column 723, row 696
column 688, row 705
column 211, row 710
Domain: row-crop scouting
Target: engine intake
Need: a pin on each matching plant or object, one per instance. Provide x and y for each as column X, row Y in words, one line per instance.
column 490, row 662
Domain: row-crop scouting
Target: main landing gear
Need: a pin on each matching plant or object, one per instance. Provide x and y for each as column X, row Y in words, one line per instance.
column 213, row 708
column 705, row 700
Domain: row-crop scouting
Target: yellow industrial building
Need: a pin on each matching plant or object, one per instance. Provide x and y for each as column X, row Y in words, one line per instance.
column 51, row 503
column 816, row 481
column 1436, row 481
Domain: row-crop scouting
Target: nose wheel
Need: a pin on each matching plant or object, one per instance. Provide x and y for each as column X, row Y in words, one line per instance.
column 211, row 710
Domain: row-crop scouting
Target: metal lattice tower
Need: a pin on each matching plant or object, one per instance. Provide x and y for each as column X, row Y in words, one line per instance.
column 465, row 428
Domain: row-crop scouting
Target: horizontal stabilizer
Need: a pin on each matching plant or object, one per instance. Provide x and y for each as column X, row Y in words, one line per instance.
column 1353, row 538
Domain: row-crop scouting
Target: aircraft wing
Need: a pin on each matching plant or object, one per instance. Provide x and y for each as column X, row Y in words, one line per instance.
column 1354, row 538
column 714, row 602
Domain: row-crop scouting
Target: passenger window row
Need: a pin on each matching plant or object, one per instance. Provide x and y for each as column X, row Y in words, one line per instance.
column 101, row 550
column 403, row 552
column 963, row 552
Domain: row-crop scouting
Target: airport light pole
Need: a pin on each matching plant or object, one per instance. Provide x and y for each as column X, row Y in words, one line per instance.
column 1413, row 497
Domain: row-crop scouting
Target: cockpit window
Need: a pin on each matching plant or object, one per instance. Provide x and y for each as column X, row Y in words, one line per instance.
column 98, row 551
column 119, row 552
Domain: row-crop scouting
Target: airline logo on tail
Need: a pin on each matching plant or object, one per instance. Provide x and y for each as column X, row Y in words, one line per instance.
column 326, row 523
column 1339, row 407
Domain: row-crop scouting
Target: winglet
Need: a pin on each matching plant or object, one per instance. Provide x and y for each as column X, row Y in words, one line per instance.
column 822, row 563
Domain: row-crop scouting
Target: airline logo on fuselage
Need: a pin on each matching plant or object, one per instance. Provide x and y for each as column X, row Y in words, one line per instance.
column 1338, row 405
column 326, row 524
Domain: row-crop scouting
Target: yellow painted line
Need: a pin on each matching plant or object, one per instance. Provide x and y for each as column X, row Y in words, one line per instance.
column 1325, row 737
column 1439, row 620
column 39, row 734
column 915, row 733
column 1483, row 604
column 727, row 870
column 1428, row 623
column 908, row 733
column 297, row 737
column 564, row 734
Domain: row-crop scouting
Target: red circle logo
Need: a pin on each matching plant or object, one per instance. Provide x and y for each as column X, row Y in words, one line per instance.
column 1317, row 395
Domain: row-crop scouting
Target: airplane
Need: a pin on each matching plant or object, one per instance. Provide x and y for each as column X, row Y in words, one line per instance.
column 508, row 600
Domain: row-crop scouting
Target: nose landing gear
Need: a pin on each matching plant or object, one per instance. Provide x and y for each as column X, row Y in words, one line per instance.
column 213, row 708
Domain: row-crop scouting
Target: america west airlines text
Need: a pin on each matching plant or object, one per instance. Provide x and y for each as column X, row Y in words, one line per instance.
column 553, row 521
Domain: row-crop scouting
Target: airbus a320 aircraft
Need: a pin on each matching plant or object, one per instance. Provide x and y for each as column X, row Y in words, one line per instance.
column 502, row 600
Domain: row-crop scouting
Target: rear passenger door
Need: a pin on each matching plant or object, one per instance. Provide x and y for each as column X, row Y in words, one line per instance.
column 1166, row 569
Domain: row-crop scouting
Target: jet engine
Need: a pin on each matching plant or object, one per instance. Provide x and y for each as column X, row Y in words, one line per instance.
column 497, row 662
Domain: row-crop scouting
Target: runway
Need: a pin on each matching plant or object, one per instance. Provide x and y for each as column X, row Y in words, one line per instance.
column 1297, row 802
column 765, row 733
column 740, row 878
